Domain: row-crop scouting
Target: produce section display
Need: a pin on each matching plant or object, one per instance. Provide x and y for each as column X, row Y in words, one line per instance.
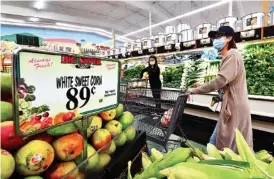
column 53, row 154
column 204, row 68
column 192, row 163
column 259, row 65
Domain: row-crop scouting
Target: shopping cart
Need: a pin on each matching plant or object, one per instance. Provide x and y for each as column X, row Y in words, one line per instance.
column 138, row 99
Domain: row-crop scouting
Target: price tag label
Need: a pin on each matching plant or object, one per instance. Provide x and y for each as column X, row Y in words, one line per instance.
column 52, row 89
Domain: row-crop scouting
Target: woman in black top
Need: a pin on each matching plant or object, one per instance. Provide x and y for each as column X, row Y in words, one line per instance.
column 153, row 71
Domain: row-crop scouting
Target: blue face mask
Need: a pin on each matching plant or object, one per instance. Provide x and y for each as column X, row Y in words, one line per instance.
column 219, row 44
column 152, row 63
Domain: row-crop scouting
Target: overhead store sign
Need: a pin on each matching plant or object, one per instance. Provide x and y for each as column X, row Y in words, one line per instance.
column 53, row 89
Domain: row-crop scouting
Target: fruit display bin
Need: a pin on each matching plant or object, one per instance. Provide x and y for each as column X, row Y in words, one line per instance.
column 118, row 165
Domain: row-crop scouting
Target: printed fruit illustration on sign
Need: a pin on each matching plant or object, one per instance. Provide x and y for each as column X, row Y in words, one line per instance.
column 101, row 139
column 34, row 158
column 6, row 111
column 68, row 116
column 126, row 119
column 7, row 164
column 9, row 139
column 108, row 115
column 120, row 140
column 114, row 127
column 94, row 160
column 130, row 133
column 95, row 123
column 59, row 170
column 68, row 147
column 104, row 160
column 119, row 110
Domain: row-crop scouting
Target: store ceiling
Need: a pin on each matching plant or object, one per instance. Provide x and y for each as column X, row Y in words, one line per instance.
column 124, row 16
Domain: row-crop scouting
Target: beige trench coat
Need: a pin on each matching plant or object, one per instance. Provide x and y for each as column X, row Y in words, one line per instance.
column 235, row 111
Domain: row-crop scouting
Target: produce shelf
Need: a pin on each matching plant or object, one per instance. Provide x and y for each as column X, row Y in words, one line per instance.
column 202, row 102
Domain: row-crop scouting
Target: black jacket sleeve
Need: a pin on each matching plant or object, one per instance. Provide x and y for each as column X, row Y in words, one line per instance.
column 143, row 71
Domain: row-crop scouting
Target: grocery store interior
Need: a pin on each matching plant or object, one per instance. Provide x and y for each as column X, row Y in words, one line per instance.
column 137, row 89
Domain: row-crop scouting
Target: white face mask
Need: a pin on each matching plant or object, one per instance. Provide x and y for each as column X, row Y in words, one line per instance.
column 152, row 63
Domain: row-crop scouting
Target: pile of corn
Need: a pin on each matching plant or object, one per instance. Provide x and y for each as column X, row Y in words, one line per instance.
column 192, row 163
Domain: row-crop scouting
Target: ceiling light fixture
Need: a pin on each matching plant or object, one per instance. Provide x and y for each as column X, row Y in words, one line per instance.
column 178, row 17
column 34, row 19
column 12, row 20
column 39, row 4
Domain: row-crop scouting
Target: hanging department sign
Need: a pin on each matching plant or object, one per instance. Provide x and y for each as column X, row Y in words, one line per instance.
column 52, row 89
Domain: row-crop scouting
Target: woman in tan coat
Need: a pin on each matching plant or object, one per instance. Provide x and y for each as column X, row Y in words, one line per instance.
column 231, row 83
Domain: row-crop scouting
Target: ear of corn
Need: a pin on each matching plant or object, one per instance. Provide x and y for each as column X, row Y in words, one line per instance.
column 156, row 155
column 191, row 159
column 264, row 156
column 228, row 163
column 177, row 156
column 228, row 154
column 270, row 169
column 213, row 151
column 247, row 155
column 204, row 171
column 145, row 160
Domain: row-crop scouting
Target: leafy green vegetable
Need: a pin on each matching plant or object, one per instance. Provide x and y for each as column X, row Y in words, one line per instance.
column 132, row 73
column 193, row 73
column 259, row 65
column 172, row 76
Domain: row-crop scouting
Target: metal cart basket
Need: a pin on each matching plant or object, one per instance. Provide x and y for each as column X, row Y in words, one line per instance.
column 139, row 100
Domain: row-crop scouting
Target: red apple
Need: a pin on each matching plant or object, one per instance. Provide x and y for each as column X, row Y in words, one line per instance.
column 108, row 115
column 101, row 139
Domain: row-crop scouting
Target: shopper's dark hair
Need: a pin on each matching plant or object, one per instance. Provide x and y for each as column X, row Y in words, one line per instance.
column 232, row 44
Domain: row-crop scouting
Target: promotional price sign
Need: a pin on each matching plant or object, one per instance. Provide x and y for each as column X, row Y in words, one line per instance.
column 51, row 89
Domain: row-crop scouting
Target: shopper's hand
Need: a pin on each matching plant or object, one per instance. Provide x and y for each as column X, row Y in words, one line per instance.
column 191, row 90
column 196, row 85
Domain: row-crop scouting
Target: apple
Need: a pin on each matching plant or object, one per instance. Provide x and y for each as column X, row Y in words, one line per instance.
column 7, row 164
column 101, row 139
column 114, row 127
column 108, row 115
column 95, row 123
